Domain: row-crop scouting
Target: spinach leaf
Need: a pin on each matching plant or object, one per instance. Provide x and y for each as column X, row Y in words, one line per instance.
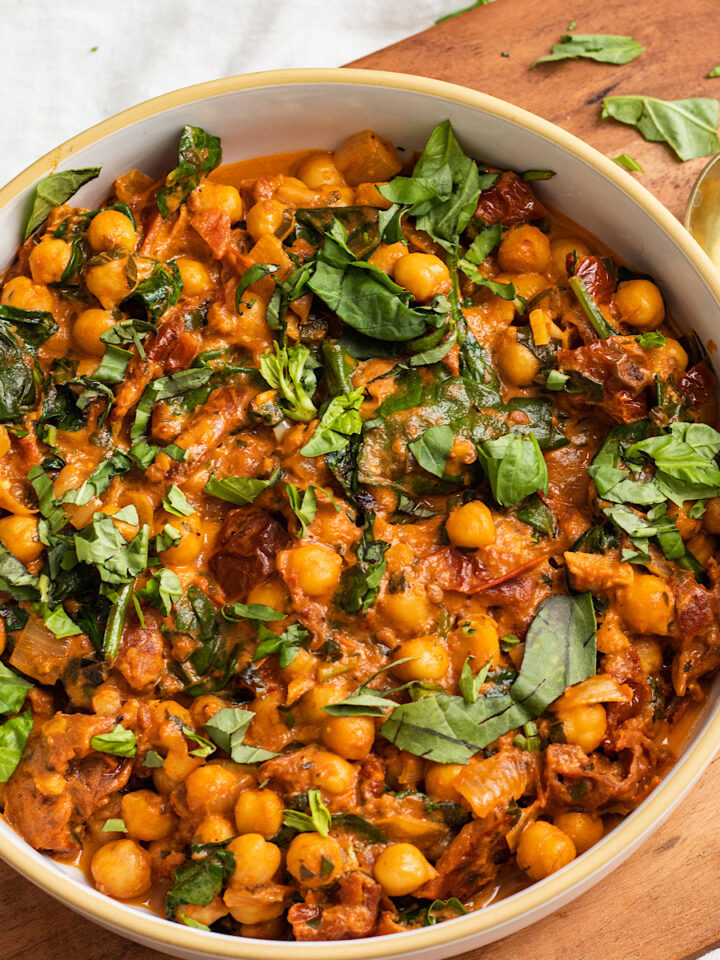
column 317, row 821
column 286, row 645
column 432, row 449
column 559, row 652
column 603, row 47
column 13, row 690
column 119, row 742
column 164, row 388
column 32, row 326
column 19, row 378
column 155, row 294
column 15, row 579
column 291, row 371
column 339, row 422
column 360, row 584
column 54, row 190
column 688, row 126
column 240, row 490
column 227, row 729
column 599, row 324
column 199, row 881
column 14, row 735
column 56, row 620
column 99, row 480
column 515, row 467
column 199, row 153
column 343, row 466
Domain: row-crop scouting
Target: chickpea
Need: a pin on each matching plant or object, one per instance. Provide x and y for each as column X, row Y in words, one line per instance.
column 559, row 250
column 146, row 816
column 89, row 327
column 272, row 593
column 423, row 274
column 19, row 535
column 409, row 611
column 264, row 218
column 212, row 788
column 111, row 230
column 48, row 260
column 109, row 282
column 316, row 569
column 401, row 869
column 314, row 861
column 187, row 551
column 650, row 653
column 585, row 726
column 518, row 365
column 331, row 773
column 480, row 641
column 256, row 860
column 524, row 249
column 350, row 737
column 163, row 782
column 217, row 196
column 646, row 604
column 194, row 275
column 543, row 848
column 429, row 659
column 319, row 171
column 387, row 256
column 471, row 525
column 640, row 304
column 23, row 293
column 259, row 812
column 439, row 778
column 584, row 829
column 249, row 910
column 121, row 869
column 214, row 829
column 711, row 517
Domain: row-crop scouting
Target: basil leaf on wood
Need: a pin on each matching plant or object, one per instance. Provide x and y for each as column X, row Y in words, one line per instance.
column 199, row 153
column 515, row 467
column 227, row 728
column 559, row 652
column 603, row 47
column 240, row 490
column 14, row 735
column 688, row 126
column 432, row 449
column 54, row 190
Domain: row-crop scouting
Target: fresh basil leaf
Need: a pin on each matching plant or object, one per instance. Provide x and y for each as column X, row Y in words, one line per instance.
column 14, row 735
column 129, row 331
column 164, row 388
column 155, row 294
column 15, row 579
column 651, row 340
column 506, row 291
column 32, row 326
column 175, row 502
column 54, row 190
column 559, row 652
column 470, row 685
column 13, row 690
column 119, row 742
column 303, row 506
column 286, row 645
column 515, row 467
column 162, row 590
column 204, row 746
column 317, row 821
column 360, row 584
column 99, row 480
column 484, row 243
column 49, row 508
column 228, row 727
column 603, row 47
column 153, row 760
column 630, row 163
column 57, row 620
column 432, row 449
column 199, row 881
column 291, row 371
column 199, row 153
column 254, row 273
column 100, row 544
column 240, row 490
column 688, row 126
column 339, row 422
column 251, row 611
column 114, row 364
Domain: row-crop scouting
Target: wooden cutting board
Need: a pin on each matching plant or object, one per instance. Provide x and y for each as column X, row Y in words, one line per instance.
column 661, row 903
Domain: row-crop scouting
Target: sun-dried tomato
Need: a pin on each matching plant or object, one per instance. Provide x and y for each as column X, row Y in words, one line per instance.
column 508, row 202
column 698, row 384
column 598, row 277
column 249, row 542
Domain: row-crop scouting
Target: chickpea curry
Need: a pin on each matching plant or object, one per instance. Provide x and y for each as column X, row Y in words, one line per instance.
column 357, row 557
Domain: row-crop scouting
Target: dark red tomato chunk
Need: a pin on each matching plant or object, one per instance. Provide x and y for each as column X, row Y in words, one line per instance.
column 509, row 202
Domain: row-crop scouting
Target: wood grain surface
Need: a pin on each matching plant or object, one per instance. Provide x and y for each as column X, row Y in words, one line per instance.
column 661, row 903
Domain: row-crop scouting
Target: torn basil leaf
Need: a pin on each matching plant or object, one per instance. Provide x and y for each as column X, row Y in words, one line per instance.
column 360, row 584
column 432, row 449
column 14, row 735
column 339, row 422
column 54, row 190
column 603, row 47
column 286, row 644
column 227, row 728
column 689, row 127
column 119, row 742
column 240, row 490
column 199, row 152
column 13, row 690
column 515, row 467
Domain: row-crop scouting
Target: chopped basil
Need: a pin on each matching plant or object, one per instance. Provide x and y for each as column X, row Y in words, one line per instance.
column 360, row 584
column 228, row 727
column 99, row 480
column 204, row 746
column 155, row 294
column 15, row 579
column 651, row 340
column 119, row 742
column 13, row 690
column 515, row 467
column 153, row 760
column 101, row 545
column 198, row 153
column 603, row 47
column 339, row 422
column 688, row 126
column 14, row 735
column 162, row 590
column 114, row 364
column 240, row 490
column 317, row 821
column 56, row 620
column 286, row 645
column 251, row 611
column 165, row 388
column 114, row 826
column 199, row 881
column 303, row 506
column 54, row 190
column 176, row 503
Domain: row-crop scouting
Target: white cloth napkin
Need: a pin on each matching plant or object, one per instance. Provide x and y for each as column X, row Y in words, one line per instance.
column 67, row 65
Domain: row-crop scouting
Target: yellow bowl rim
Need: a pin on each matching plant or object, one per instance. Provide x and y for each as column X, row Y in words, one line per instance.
column 557, row 888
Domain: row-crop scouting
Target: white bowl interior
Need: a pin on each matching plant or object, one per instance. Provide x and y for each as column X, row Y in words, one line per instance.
column 284, row 117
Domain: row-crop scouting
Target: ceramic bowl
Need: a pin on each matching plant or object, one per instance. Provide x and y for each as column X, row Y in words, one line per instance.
column 289, row 110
